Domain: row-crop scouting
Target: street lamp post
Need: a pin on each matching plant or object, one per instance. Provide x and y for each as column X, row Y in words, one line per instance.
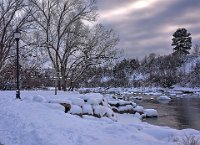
column 17, row 37
column 56, row 82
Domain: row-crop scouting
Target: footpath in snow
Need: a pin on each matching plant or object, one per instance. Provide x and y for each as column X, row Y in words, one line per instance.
column 35, row 121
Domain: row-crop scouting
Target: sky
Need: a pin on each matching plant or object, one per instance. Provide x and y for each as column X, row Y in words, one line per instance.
column 146, row 26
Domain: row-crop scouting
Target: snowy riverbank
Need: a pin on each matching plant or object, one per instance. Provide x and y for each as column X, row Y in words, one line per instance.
column 157, row 91
column 35, row 121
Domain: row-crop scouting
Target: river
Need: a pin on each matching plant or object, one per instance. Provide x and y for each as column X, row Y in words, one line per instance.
column 179, row 113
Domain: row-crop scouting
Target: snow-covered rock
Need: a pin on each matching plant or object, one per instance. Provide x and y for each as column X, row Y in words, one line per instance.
column 139, row 109
column 125, row 108
column 164, row 98
column 94, row 101
column 87, row 109
column 138, row 97
column 121, row 106
column 93, row 98
column 137, row 115
column 113, row 102
column 77, row 101
column 76, row 110
column 118, row 103
column 99, row 110
column 110, row 113
column 151, row 112
column 153, row 93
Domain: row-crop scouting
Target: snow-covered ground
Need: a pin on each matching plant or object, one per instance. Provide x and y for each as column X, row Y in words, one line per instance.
column 35, row 121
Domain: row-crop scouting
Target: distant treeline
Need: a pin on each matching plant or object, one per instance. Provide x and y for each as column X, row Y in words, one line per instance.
column 163, row 71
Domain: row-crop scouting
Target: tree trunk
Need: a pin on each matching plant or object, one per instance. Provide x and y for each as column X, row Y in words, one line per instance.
column 59, row 84
column 71, row 88
column 64, row 84
column 63, row 79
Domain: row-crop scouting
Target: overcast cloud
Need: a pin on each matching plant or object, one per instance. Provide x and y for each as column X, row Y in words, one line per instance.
column 146, row 26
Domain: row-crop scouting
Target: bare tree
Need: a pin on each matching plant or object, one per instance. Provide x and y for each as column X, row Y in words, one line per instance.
column 70, row 44
column 13, row 14
column 97, row 48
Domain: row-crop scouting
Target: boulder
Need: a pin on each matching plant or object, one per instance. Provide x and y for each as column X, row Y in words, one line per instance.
column 67, row 106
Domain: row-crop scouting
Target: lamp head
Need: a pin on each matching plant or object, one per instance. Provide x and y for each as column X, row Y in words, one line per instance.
column 17, row 34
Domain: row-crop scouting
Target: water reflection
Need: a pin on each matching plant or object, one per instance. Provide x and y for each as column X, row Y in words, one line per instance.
column 164, row 101
column 189, row 112
column 179, row 113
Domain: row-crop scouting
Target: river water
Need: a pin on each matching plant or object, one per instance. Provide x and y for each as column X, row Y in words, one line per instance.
column 179, row 113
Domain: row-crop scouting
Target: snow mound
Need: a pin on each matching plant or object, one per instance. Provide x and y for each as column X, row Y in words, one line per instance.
column 38, row 98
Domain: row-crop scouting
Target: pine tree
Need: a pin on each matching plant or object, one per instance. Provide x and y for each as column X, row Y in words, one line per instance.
column 182, row 41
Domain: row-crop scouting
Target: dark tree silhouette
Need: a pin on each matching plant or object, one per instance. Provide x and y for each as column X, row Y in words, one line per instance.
column 182, row 41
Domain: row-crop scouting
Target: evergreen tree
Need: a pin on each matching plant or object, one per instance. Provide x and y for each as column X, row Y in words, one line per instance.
column 182, row 41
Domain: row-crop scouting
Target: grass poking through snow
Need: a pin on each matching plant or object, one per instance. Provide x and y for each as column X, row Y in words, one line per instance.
column 189, row 140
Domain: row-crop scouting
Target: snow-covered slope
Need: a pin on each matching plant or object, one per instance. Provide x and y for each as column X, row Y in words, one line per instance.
column 34, row 121
column 190, row 64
